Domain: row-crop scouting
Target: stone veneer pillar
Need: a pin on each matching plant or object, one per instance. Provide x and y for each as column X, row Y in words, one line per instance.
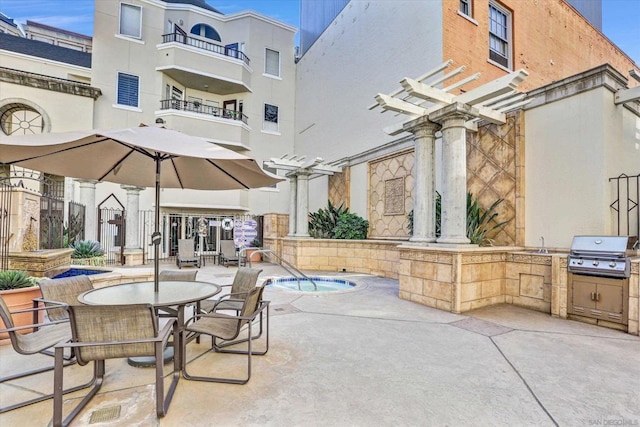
column 302, row 205
column 424, row 208
column 88, row 198
column 454, row 171
column 293, row 189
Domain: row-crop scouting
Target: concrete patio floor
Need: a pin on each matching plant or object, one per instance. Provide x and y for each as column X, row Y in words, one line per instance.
column 367, row 358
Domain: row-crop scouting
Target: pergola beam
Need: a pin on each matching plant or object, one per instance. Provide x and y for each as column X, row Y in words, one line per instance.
column 627, row 95
column 393, row 104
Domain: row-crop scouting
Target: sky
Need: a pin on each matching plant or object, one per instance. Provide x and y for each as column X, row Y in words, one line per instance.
column 620, row 18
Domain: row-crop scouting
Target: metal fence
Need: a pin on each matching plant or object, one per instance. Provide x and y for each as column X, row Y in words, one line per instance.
column 206, row 230
column 5, row 224
column 627, row 197
column 75, row 222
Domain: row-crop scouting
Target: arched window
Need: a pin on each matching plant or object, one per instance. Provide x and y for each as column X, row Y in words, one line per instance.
column 207, row 31
column 20, row 119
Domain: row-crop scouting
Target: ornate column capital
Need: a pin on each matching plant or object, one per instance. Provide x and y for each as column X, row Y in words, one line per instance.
column 421, row 127
column 132, row 188
column 454, row 115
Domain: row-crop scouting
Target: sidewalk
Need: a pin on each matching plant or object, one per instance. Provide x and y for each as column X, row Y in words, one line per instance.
column 368, row 358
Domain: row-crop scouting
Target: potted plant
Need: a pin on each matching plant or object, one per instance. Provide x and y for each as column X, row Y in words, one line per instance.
column 88, row 252
column 254, row 245
column 18, row 290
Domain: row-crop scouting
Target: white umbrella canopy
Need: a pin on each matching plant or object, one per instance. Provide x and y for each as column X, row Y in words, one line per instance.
column 129, row 156
column 135, row 156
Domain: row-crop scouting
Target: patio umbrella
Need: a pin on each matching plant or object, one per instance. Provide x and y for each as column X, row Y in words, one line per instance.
column 135, row 156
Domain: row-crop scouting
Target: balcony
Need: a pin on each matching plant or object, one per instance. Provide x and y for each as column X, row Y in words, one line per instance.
column 229, row 126
column 201, row 64
column 196, row 107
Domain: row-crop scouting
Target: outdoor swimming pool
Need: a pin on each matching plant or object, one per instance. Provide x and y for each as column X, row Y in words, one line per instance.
column 323, row 284
column 78, row 272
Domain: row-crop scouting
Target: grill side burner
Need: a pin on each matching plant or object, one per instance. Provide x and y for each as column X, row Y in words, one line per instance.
column 598, row 283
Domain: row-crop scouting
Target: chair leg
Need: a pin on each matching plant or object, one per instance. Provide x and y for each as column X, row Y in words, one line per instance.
column 249, row 352
column 163, row 401
column 218, row 347
column 97, row 380
column 41, row 398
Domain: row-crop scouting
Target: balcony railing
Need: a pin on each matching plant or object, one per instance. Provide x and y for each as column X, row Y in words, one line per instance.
column 204, row 45
column 196, row 107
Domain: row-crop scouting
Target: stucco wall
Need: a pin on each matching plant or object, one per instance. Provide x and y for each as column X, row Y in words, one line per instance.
column 573, row 146
column 369, row 48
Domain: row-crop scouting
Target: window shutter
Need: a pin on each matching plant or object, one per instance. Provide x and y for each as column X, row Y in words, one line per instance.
column 130, row 20
column 272, row 64
column 128, row 89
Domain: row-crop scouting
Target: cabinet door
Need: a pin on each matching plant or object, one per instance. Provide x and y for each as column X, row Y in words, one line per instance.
column 610, row 301
column 581, row 296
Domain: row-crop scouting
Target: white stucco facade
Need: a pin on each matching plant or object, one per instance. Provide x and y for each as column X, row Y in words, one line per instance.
column 338, row 77
column 188, row 70
column 574, row 144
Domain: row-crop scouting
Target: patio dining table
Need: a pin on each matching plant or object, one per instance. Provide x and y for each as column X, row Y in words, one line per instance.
column 172, row 294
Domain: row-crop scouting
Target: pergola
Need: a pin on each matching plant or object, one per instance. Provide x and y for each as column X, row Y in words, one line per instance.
column 300, row 171
column 427, row 108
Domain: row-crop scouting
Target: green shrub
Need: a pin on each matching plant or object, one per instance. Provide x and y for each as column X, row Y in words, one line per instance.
column 324, row 221
column 86, row 249
column 351, row 226
column 15, row 279
column 479, row 221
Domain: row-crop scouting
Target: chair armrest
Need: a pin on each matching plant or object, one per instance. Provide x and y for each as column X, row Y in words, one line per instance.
column 162, row 336
column 33, row 326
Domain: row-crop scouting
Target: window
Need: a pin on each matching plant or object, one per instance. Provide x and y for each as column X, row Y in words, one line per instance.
column 128, row 89
column 499, row 35
column 272, row 63
column 130, row 20
column 465, row 7
column 270, row 118
column 206, row 31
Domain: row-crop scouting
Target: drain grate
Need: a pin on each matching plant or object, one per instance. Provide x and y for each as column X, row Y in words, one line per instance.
column 106, row 414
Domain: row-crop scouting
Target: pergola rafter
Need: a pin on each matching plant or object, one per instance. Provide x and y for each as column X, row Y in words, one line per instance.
column 428, row 109
column 299, row 170
column 418, row 98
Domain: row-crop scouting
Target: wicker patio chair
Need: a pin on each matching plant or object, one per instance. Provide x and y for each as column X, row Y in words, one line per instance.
column 45, row 337
column 186, row 254
column 63, row 290
column 229, row 328
column 101, row 332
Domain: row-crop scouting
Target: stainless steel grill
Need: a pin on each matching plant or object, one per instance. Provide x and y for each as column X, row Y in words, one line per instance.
column 604, row 256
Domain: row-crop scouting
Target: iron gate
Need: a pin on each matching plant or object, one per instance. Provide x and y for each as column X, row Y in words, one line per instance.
column 5, row 224
column 75, row 222
column 112, row 229
column 627, row 193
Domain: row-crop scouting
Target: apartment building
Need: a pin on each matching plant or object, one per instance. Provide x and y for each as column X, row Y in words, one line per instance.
column 369, row 46
column 228, row 78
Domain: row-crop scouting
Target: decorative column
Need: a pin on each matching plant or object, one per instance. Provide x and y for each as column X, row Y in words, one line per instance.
column 454, row 171
column 293, row 189
column 88, row 199
column 302, row 205
column 424, row 208
column 133, row 253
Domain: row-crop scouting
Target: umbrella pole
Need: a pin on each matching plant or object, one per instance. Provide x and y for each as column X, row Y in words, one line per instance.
column 158, row 239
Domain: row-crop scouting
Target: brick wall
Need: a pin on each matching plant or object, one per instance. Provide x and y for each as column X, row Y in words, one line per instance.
column 550, row 41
